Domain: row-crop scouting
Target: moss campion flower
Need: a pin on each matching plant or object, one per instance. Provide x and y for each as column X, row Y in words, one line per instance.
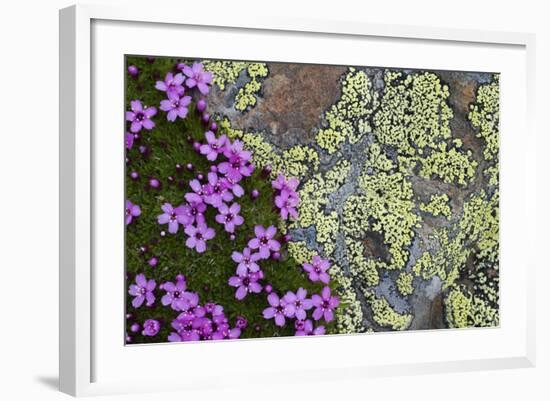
column 172, row 84
column 229, row 216
column 245, row 284
column 324, row 305
column 198, row 236
column 278, row 309
column 196, row 76
column 175, row 106
column 305, row 328
column 173, row 217
column 213, row 146
column 317, row 269
column 300, row 302
column 151, row 327
column 142, row 291
column 246, row 261
column 264, row 242
column 140, row 116
column 131, row 211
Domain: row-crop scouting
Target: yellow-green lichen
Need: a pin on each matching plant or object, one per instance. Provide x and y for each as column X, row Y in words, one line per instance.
column 385, row 316
column 363, row 270
column 463, row 309
column 414, row 118
column 438, row 205
column 299, row 251
column 484, row 116
column 224, row 72
column 300, row 160
column 247, row 95
column 385, row 206
column 405, row 283
column 314, row 192
column 348, row 119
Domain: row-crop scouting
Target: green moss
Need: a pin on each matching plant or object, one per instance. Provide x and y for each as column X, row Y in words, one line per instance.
column 438, row 205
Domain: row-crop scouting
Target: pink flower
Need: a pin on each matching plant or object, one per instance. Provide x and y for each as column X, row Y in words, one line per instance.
column 142, row 290
column 218, row 190
column 214, row 146
column 173, row 217
column 198, row 236
column 247, row 261
column 229, row 216
column 197, row 77
column 174, row 292
column 131, row 211
column 140, row 116
column 245, row 284
column 281, row 183
column 300, row 302
column 175, row 106
column 264, row 241
column 278, row 309
column 317, row 269
column 238, row 164
column 287, row 201
column 305, row 328
column 171, row 84
column 324, row 305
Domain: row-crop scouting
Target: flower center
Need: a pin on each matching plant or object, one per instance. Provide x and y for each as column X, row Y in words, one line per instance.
column 264, row 241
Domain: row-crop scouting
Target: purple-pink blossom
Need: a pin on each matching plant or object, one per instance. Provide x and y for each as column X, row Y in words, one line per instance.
column 175, row 106
column 218, row 190
column 278, row 309
column 174, row 292
column 287, row 202
column 229, row 216
column 213, row 146
column 142, row 291
column 300, row 301
column 173, row 216
column 324, row 305
column 140, row 116
column 264, row 242
column 305, row 328
column 198, row 236
column 172, row 84
column 129, row 140
column 238, row 163
column 151, row 327
column 281, row 183
column 196, row 76
column 317, row 269
column 131, row 211
column 245, row 284
column 246, row 261
column 193, row 212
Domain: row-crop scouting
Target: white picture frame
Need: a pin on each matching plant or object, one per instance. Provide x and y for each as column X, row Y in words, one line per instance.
column 79, row 315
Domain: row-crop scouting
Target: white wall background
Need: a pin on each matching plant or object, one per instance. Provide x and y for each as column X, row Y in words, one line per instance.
column 29, row 197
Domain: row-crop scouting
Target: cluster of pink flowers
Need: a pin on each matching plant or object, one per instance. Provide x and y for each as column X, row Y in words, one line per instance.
column 286, row 198
column 218, row 190
column 296, row 305
column 194, row 322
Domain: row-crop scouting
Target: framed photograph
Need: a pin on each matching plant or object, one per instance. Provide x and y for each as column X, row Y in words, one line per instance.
column 237, row 198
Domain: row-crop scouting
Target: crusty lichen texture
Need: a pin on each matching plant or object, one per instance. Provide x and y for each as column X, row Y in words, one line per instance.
column 398, row 189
